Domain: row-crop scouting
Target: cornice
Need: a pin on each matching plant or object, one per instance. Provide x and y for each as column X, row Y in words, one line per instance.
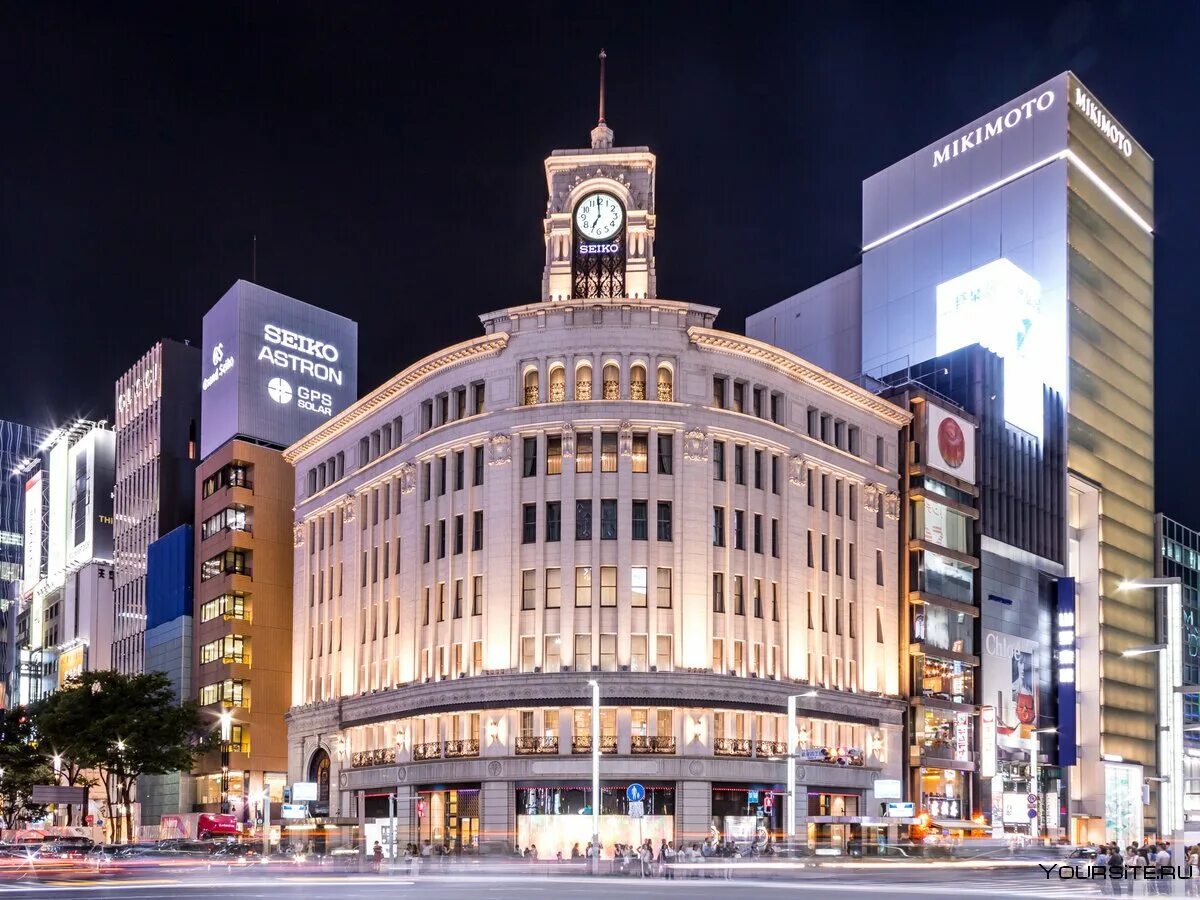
column 476, row 348
column 794, row 367
column 698, row 689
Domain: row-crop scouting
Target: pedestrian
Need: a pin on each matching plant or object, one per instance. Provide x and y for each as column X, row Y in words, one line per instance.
column 575, row 850
column 377, row 855
column 1116, row 870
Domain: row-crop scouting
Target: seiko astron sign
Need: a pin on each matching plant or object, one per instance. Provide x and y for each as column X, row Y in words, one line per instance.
column 274, row 368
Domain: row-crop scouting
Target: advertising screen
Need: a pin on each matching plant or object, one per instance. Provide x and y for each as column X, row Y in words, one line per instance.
column 273, row 368
column 1009, row 685
column 33, row 532
column 950, row 443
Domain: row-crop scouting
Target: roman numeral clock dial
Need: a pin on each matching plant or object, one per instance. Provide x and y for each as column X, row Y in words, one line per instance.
column 599, row 255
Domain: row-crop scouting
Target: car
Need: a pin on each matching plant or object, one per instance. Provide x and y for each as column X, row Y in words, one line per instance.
column 1082, row 853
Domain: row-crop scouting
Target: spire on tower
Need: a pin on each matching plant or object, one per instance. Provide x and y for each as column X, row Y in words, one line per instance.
column 602, row 135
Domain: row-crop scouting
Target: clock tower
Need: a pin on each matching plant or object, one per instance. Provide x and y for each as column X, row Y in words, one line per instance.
column 599, row 224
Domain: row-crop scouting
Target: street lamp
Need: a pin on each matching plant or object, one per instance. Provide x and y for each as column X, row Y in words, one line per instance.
column 793, row 738
column 226, row 719
column 595, row 685
column 1170, row 692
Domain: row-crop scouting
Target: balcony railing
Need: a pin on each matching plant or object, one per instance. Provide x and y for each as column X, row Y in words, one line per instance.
column 428, row 750
column 581, row 744
column 364, row 758
column 770, row 748
column 731, row 747
column 462, row 748
column 535, row 745
column 652, row 744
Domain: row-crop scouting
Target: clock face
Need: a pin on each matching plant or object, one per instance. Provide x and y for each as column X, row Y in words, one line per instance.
column 599, row 216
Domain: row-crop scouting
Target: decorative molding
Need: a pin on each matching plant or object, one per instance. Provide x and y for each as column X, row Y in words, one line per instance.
column 695, row 446
column 495, row 768
column 499, row 449
column 625, row 438
column 408, row 478
column 696, row 768
column 568, row 441
column 488, row 345
column 349, row 508
column 793, row 366
column 891, row 507
column 298, row 534
column 871, row 494
column 798, row 471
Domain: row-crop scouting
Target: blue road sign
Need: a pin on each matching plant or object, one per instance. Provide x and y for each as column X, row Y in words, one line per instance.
column 635, row 793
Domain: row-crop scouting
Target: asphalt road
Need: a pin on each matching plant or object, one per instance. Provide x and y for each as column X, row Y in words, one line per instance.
column 915, row 879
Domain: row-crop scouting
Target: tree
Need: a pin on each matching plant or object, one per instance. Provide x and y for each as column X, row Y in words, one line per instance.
column 22, row 765
column 123, row 727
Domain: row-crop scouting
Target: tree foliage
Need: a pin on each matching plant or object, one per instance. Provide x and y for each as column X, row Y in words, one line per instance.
column 123, row 727
column 22, row 765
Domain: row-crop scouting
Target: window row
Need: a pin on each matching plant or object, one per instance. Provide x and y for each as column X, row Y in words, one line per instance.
column 761, row 465
column 441, row 540
column 230, row 692
column 449, row 472
column 333, row 469
column 639, row 587
column 846, row 562
column 843, row 495
column 581, row 387
column 639, row 524
column 744, row 397
column 828, row 429
column 738, row 598
column 637, row 449
column 737, row 529
column 227, row 606
column 232, row 648
column 231, row 562
column 452, row 405
column 819, row 617
column 231, row 518
column 234, row 474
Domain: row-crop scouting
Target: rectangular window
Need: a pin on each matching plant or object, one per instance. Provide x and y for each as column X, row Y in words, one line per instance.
column 758, row 469
column 477, row 595
column 608, row 654
column 425, row 608
column 739, row 658
column 637, row 653
column 441, row 475
column 853, row 614
column 583, row 520
column 664, row 520
column 228, row 606
column 460, row 470
column 554, row 455
column 477, row 530
column 608, row 520
column 775, row 538
column 459, row 527
column 837, row 556
column 441, row 601
column 758, row 604
column 824, row 614
column 553, row 588
column 528, row 523
column 825, row 492
column 718, row 455
column 477, row 397
column 718, row 526
column 811, row 563
column 852, row 500
column 662, row 653
column 441, row 539
column 583, row 657
column 824, row 553
column 608, row 585
column 852, row 561
column 638, row 586
column 664, row 587
column 774, row 474
column 718, row 581
column 526, row 666
column 528, row 589
column 739, row 464
column 583, row 451
column 739, row 595
column 528, row 457
column 552, row 659
column 837, row 615
column 608, row 451
column 477, row 479
column 774, row 601
column 758, row 533
column 879, row 567
column 583, row 585
column 810, row 610
column 666, row 454
column 554, row 521
column 739, row 397
column 809, row 481
column 719, row 391
column 641, row 453
column 639, row 525
column 739, row 529
column 718, row 655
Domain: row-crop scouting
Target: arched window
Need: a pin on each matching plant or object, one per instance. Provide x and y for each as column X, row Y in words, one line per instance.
column 637, row 382
column 531, row 387
column 612, row 382
column 558, row 384
column 583, row 381
column 666, row 391
column 318, row 772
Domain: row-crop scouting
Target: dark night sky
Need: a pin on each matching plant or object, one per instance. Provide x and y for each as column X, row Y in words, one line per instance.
column 389, row 158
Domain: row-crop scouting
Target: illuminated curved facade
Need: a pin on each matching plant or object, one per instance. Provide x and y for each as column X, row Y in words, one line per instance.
column 599, row 487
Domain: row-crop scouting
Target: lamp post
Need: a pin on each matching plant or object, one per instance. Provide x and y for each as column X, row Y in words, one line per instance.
column 595, row 685
column 226, row 719
column 793, row 738
column 1168, row 631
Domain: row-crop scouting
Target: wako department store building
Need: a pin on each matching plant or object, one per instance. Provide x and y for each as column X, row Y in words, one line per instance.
column 601, row 486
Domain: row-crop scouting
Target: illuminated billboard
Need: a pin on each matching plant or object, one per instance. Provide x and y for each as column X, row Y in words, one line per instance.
column 273, row 368
column 1009, row 686
column 34, row 530
column 949, row 443
column 1000, row 306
